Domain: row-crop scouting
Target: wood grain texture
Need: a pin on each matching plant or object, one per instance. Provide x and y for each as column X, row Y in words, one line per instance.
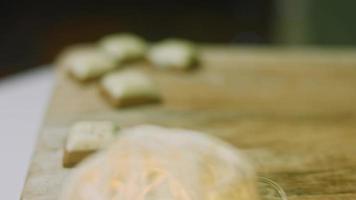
column 292, row 111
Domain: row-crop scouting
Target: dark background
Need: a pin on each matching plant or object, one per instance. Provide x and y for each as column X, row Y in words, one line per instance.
column 34, row 32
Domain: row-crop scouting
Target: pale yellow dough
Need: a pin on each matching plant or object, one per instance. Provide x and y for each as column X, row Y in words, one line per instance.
column 173, row 54
column 129, row 84
column 155, row 163
column 86, row 62
column 123, row 47
column 90, row 135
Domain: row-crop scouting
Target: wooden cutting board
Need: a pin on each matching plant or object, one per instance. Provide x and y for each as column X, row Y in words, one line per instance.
column 292, row 111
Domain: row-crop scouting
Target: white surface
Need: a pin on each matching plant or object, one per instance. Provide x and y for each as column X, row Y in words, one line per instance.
column 23, row 102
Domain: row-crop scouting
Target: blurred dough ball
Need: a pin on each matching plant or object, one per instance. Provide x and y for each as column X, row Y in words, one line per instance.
column 155, row 163
column 123, row 47
column 173, row 54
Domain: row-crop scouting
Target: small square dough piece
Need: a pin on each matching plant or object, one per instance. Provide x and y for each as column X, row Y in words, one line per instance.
column 123, row 47
column 86, row 137
column 173, row 54
column 129, row 87
column 86, row 62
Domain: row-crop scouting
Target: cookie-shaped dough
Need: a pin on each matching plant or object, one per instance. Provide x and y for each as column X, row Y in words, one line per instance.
column 155, row 163
column 123, row 47
column 86, row 137
column 128, row 87
column 84, row 62
column 173, row 54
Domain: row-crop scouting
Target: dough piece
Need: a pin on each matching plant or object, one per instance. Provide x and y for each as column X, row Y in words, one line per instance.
column 86, row 62
column 154, row 163
column 85, row 138
column 173, row 54
column 123, row 47
column 128, row 87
